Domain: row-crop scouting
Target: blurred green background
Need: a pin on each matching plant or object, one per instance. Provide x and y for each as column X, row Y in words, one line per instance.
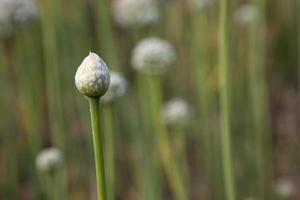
column 237, row 67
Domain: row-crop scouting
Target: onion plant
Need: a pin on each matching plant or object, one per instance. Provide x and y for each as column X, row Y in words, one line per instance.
column 225, row 92
column 92, row 80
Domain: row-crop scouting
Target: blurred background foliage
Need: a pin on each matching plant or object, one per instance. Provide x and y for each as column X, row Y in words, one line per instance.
column 40, row 106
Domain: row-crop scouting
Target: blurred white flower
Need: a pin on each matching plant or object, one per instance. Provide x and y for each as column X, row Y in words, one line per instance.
column 25, row 11
column 177, row 112
column 153, row 56
column 200, row 4
column 135, row 13
column 92, row 77
column 49, row 159
column 285, row 188
column 117, row 88
column 246, row 14
column 15, row 13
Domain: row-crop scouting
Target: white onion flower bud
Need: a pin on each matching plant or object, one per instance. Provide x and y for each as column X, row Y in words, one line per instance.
column 92, row 77
column 49, row 159
column 177, row 112
column 15, row 13
column 117, row 88
column 285, row 188
column 135, row 13
column 246, row 14
column 153, row 56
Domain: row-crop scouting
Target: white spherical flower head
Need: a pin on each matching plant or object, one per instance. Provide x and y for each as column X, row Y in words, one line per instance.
column 177, row 112
column 117, row 88
column 135, row 13
column 246, row 14
column 285, row 188
column 153, row 56
column 26, row 11
column 14, row 13
column 6, row 13
column 49, row 160
column 92, row 77
column 199, row 5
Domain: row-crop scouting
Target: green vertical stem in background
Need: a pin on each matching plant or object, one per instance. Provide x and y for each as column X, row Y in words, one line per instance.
column 162, row 140
column 31, row 77
column 202, row 71
column 225, row 87
column 105, row 33
column 50, row 8
column 98, row 147
column 152, row 186
column 14, row 129
column 180, row 151
column 109, row 149
column 259, row 98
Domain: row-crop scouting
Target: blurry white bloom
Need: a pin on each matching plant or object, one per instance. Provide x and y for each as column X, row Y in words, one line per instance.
column 177, row 112
column 246, row 14
column 153, row 56
column 25, row 11
column 285, row 188
column 117, row 88
column 200, row 4
column 49, row 159
column 135, row 13
column 92, row 77
column 14, row 13
column 6, row 25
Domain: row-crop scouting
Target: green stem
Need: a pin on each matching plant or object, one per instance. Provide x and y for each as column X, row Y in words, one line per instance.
column 110, row 150
column 180, row 146
column 152, row 184
column 163, row 142
column 258, row 97
column 202, row 70
column 227, row 160
column 50, row 30
column 99, row 160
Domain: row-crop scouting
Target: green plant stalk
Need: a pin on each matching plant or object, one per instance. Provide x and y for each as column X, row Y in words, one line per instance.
column 161, row 139
column 202, row 71
column 98, row 149
column 225, row 86
column 30, row 90
column 11, row 148
column 51, row 186
column 151, row 177
column 180, row 145
column 109, row 150
column 105, row 33
column 52, row 73
column 258, row 96
column 11, row 165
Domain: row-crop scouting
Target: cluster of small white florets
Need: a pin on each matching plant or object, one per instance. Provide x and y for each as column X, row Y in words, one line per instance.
column 49, row 159
column 135, row 13
column 153, row 56
column 246, row 14
column 92, row 77
column 177, row 112
column 117, row 88
column 16, row 13
column 285, row 188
